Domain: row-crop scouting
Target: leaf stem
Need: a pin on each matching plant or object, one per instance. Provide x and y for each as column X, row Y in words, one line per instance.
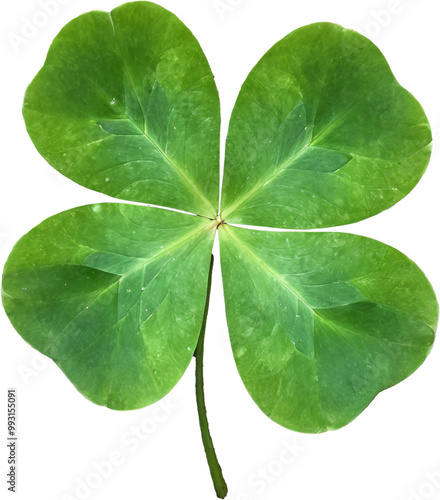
column 214, row 467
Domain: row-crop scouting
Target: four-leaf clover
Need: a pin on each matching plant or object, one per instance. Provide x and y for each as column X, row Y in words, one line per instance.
column 321, row 135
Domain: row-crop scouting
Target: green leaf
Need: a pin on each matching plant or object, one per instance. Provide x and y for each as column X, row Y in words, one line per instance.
column 321, row 135
column 322, row 322
column 126, row 104
column 115, row 295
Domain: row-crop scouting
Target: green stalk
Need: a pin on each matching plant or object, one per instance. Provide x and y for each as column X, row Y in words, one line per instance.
column 214, row 467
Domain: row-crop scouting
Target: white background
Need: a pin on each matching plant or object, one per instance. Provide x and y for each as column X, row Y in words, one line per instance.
column 390, row 452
